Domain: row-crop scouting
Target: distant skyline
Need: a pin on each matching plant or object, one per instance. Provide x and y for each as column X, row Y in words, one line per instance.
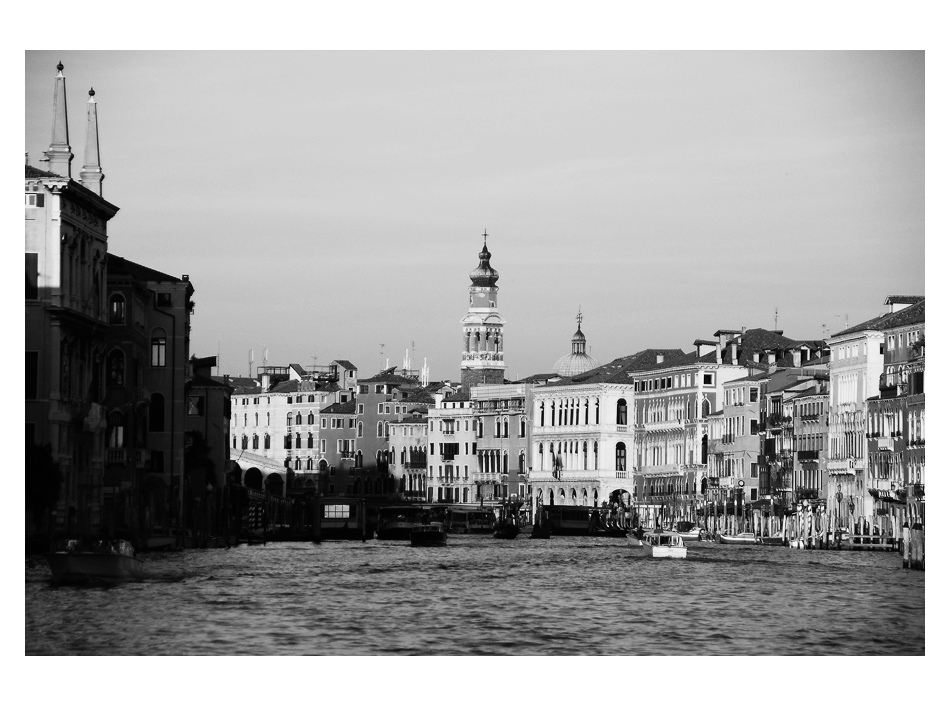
column 324, row 203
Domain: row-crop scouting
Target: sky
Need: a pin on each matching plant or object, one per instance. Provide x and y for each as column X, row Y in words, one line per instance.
column 331, row 205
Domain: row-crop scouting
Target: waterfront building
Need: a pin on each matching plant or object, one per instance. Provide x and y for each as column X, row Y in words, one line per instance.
column 582, row 432
column 409, row 463
column 276, row 425
column 896, row 421
column 807, row 407
column 502, row 435
column 148, row 369
column 453, row 441
column 733, row 444
column 65, row 326
column 207, row 424
column 382, row 400
column 856, row 369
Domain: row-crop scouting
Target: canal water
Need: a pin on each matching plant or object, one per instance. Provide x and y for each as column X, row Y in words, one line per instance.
column 481, row 596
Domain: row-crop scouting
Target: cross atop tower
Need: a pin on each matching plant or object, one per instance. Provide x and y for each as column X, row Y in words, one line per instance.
column 580, row 317
column 486, row 237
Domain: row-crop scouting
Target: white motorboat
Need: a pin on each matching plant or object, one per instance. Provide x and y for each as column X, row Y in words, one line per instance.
column 664, row 544
column 741, row 538
column 109, row 561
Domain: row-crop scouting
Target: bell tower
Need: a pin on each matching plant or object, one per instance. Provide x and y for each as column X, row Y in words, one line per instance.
column 483, row 344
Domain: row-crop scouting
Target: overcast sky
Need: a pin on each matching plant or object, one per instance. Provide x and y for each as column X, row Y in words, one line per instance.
column 325, row 203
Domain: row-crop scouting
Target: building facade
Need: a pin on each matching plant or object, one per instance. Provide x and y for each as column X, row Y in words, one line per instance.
column 65, row 325
column 897, row 421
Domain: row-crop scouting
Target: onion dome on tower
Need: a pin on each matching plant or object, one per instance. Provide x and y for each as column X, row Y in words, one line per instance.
column 484, row 275
column 577, row 361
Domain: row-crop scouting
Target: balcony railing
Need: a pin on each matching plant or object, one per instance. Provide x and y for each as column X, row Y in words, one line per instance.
column 117, row 456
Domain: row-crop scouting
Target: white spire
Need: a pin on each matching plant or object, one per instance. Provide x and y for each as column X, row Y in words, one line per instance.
column 60, row 154
column 91, row 174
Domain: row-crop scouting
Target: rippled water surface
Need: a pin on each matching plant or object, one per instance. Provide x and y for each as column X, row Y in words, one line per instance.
column 481, row 596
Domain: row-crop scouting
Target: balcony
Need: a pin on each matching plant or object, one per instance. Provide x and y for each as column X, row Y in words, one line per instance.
column 116, row 456
column 808, row 455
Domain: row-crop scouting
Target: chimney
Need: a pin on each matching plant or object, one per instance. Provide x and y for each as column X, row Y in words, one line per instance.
column 797, row 358
column 659, row 357
column 733, row 352
column 719, row 352
column 771, row 357
column 755, row 357
column 265, row 382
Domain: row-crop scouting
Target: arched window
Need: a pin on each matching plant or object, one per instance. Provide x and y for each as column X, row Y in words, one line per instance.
column 116, row 309
column 595, row 455
column 621, row 456
column 359, row 430
column 297, row 465
column 233, row 441
column 290, row 419
column 156, row 413
column 243, row 441
column 115, row 368
column 309, row 464
column 505, row 428
column 297, row 440
column 497, row 427
column 705, row 408
column 597, row 412
column 310, row 440
column 255, row 441
column 255, row 419
column 379, row 430
column 585, row 455
column 245, row 419
column 521, row 427
column 299, row 419
column 116, row 438
column 310, row 416
column 266, row 441
column 621, row 411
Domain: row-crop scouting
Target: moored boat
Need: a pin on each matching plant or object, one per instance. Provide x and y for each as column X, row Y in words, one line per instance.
column 109, row 561
column 429, row 535
column 508, row 526
column 775, row 540
column 396, row 522
column 506, row 530
column 741, row 538
column 470, row 521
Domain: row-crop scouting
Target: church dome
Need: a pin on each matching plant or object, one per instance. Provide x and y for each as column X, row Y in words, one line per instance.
column 574, row 364
column 484, row 275
column 577, row 361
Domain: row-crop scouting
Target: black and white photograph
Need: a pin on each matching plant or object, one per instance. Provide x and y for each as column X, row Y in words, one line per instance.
column 475, row 351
